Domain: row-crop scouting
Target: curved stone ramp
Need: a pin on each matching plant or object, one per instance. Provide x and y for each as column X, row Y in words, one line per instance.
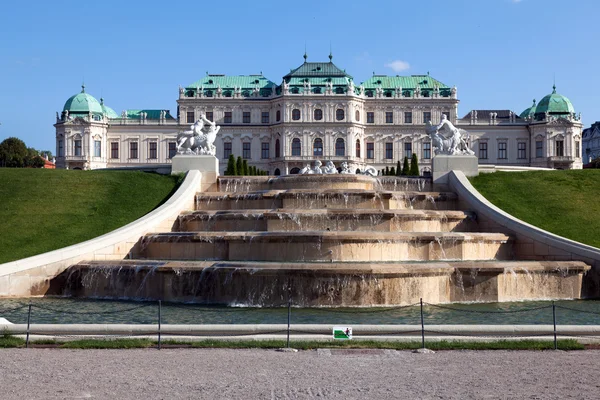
column 322, row 284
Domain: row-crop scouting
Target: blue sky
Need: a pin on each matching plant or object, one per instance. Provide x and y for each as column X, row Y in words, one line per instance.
column 499, row 53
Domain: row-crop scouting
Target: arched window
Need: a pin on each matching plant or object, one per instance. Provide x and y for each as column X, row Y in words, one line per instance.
column 295, row 90
column 357, row 115
column 278, row 115
column 340, row 147
column 295, row 114
column 369, row 93
column 318, row 114
column 318, row 147
column 294, row 170
column 296, row 147
column 277, row 149
column 277, row 172
column 339, row 114
column 357, row 148
column 317, row 90
column 339, row 90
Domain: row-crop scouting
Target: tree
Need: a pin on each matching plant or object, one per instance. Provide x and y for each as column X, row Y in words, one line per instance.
column 393, row 171
column 414, row 165
column 398, row 168
column 37, row 162
column 46, row 153
column 387, row 171
column 13, row 153
column 245, row 167
column 239, row 166
column 405, row 168
column 231, row 167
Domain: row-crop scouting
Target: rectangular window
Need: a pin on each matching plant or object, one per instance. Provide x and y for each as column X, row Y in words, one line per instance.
column 426, row 116
column 370, row 117
column 133, row 150
column 408, row 150
column 264, row 150
column 389, row 117
column 522, row 150
column 408, row 117
column 172, row 149
column 577, row 153
column 209, row 116
column 190, row 117
column 483, row 150
column 226, row 150
column 78, row 147
column 539, row 149
column 560, row 148
column 264, row 118
column 246, row 154
column 389, row 151
column 227, row 119
column 114, row 149
column 97, row 148
column 370, row 150
column 502, row 151
column 246, row 117
column 61, row 149
column 152, row 150
column 426, row 151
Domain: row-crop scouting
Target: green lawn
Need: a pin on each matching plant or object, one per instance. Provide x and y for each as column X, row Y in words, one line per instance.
column 566, row 203
column 43, row 210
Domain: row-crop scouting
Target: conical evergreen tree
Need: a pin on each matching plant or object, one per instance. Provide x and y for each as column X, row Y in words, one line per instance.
column 245, row 167
column 398, row 168
column 414, row 165
column 239, row 166
column 231, row 169
column 393, row 171
column 387, row 171
column 405, row 167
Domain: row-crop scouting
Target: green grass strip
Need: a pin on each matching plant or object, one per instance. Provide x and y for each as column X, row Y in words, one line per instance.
column 108, row 344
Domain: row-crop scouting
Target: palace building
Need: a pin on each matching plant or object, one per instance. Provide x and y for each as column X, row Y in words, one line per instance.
column 316, row 112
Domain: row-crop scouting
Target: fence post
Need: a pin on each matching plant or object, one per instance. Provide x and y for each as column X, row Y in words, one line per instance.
column 159, row 320
column 554, row 322
column 422, row 327
column 28, row 324
column 289, row 319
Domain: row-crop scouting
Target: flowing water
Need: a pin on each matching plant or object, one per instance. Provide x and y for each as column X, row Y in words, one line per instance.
column 72, row 311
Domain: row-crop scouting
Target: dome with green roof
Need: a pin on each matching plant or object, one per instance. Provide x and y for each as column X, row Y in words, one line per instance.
column 83, row 103
column 109, row 112
column 529, row 111
column 554, row 104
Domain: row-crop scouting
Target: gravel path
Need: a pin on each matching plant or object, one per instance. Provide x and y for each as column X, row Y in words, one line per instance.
column 267, row 374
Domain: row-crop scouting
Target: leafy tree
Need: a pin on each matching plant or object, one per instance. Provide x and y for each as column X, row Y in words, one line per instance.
column 398, row 168
column 414, row 165
column 239, row 166
column 405, row 167
column 37, row 162
column 387, row 171
column 13, row 153
column 46, row 153
column 245, row 167
column 393, row 171
column 231, row 166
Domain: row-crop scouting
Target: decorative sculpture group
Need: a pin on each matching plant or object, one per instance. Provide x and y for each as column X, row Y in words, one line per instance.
column 448, row 139
column 199, row 139
column 331, row 169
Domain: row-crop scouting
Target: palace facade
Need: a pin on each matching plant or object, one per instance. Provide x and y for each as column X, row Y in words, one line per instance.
column 316, row 112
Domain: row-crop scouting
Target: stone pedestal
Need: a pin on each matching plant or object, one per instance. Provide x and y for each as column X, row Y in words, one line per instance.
column 207, row 165
column 442, row 164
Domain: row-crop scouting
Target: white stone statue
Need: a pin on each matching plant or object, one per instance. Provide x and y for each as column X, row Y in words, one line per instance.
column 448, row 139
column 306, row 170
column 369, row 170
column 199, row 139
column 346, row 169
column 317, row 167
column 330, row 168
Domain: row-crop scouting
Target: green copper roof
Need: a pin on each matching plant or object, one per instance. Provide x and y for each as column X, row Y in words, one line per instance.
column 405, row 82
column 83, row 103
column 150, row 114
column 554, row 103
column 317, row 69
column 248, row 82
column 109, row 112
column 529, row 111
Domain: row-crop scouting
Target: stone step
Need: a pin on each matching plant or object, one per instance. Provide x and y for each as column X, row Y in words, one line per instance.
column 334, row 181
column 321, row 284
column 331, row 198
column 327, row 219
column 325, row 246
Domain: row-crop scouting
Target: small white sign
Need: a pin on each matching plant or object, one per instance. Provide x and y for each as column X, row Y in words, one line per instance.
column 342, row 332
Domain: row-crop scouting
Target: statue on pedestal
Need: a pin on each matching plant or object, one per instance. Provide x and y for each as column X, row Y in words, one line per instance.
column 448, row 139
column 199, row 139
column 330, row 168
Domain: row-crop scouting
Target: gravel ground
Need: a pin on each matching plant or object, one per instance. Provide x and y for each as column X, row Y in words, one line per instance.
column 267, row 374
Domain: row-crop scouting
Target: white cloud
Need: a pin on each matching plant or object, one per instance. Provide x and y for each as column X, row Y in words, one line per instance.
column 398, row 65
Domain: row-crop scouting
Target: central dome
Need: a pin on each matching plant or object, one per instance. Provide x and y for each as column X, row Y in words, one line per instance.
column 83, row 103
column 554, row 104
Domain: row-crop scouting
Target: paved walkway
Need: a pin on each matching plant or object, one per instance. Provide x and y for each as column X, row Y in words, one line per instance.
column 267, row 374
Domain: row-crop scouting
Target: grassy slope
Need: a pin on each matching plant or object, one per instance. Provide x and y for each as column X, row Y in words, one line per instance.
column 43, row 210
column 566, row 203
